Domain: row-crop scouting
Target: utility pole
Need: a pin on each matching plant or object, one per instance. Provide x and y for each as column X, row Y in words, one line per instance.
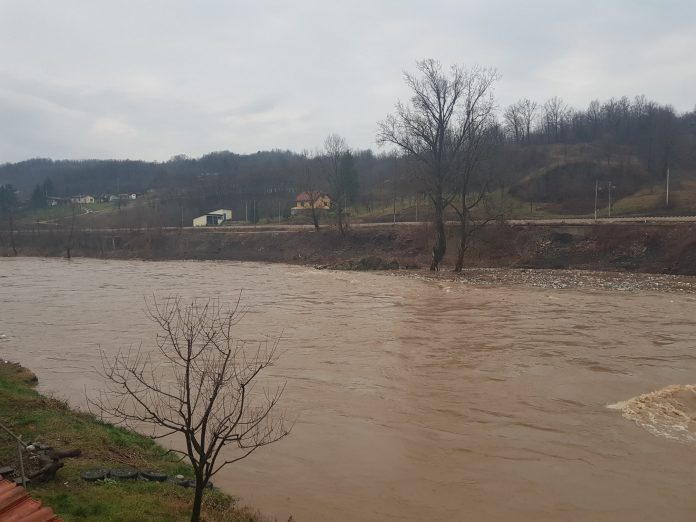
column 394, row 208
column 667, row 192
column 254, row 212
column 279, row 212
column 246, row 211
column 610, row 199
column 596, row 192
column 417, row 199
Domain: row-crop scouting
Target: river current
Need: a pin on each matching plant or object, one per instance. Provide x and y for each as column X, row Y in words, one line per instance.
column 413, row 400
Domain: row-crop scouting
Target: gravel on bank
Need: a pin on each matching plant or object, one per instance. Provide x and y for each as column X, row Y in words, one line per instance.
column 562, row 279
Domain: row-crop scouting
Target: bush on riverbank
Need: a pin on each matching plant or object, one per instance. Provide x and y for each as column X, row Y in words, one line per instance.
column 39, row 418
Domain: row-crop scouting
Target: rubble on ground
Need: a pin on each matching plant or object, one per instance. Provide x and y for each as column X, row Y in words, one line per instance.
column 575, row 279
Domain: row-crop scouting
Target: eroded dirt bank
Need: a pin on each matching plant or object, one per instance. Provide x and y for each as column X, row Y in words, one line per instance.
column 665, row 248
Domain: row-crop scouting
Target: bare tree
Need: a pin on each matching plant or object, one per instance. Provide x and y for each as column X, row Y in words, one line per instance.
column 8, row 204
column 528, row 113
column 337, row 162
column 514, row 121
column 594, row 115
column 69, row 240
column 314, row 196
column 556, row 112
column 433, row 131
column 311, row 183
column 198, row 383
column 470, row 189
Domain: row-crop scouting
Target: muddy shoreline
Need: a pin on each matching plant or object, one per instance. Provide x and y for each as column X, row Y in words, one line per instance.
column 654, row 249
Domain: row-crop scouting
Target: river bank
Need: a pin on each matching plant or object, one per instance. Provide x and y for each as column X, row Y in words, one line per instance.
column 649, row 248
column 38, row 417
column 552, row 279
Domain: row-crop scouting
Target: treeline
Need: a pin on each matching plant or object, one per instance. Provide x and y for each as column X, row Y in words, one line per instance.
column 253, row 185
column 643, row 136
column 659, row 136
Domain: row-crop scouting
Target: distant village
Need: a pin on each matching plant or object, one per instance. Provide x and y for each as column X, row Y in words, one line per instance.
column 305, row 202
column 86, row 199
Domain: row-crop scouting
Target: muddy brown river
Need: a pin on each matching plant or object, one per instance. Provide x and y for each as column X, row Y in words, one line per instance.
column 414, row 400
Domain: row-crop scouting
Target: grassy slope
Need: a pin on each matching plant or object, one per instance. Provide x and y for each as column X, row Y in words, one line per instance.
column 51, row 214
column 36, row 417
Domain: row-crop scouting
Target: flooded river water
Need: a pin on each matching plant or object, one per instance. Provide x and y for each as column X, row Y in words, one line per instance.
column 414, row 400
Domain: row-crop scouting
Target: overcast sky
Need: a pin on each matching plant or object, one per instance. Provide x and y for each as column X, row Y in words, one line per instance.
column 151, row 79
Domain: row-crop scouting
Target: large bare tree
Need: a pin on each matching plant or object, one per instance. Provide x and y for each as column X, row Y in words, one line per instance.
column 470, row 186
column 434, row 129
column 197, row 383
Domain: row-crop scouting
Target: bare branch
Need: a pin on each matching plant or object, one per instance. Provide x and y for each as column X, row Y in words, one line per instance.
column 199, row 382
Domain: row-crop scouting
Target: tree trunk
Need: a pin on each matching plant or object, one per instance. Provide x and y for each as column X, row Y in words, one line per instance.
column 197, row 500
column 68, row 246
column 463, row 238
column 315, row 218
column 440, row 238
column 341, row 225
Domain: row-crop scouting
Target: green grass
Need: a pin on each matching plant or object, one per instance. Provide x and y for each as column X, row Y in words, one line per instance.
column 39, row 418
column 30, row 216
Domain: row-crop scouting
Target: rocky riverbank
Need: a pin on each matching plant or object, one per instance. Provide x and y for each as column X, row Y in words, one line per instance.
column 567, row 279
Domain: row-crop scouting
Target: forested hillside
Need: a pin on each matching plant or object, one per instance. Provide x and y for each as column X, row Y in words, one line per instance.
column 541, row 156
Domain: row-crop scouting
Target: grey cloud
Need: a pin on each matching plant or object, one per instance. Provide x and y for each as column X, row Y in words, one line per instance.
column 153, row 79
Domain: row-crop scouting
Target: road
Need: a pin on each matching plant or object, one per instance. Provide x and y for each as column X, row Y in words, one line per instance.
column 251, row 229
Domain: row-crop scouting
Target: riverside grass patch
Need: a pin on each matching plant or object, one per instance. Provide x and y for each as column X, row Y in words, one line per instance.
column 49, row 420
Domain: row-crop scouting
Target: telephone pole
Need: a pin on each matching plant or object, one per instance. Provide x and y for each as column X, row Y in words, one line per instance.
column 667, row 192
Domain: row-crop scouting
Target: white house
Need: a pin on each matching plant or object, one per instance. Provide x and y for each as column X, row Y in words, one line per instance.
column 213, row 218
column 85, row 199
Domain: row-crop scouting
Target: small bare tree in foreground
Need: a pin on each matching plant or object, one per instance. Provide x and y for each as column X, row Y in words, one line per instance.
column 198, row 383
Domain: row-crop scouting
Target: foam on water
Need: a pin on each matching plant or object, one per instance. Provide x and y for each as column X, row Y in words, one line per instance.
column 669, row 412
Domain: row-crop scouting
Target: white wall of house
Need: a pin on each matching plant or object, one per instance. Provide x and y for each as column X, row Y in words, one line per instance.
column 82, row 199
column 200, row 221
column 219, row 216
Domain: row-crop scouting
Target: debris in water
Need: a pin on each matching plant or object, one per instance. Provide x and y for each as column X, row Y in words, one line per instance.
column 669, row 412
